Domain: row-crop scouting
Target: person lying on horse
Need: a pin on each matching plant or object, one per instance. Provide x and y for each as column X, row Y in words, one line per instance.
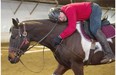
column 79, row 12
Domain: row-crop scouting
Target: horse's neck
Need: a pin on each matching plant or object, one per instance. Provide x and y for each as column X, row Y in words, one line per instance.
column 50, row 34
column 41, row 29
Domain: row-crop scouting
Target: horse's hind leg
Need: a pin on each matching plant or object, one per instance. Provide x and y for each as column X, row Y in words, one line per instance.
column 60, row 70
column 77, row 68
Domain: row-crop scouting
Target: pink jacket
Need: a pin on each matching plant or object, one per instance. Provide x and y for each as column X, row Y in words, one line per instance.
column 75, row 12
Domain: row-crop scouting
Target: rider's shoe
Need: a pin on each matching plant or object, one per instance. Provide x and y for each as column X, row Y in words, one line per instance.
column 107, row 59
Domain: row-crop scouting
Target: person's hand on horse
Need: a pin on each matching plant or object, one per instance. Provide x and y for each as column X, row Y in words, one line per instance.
column 57, row 40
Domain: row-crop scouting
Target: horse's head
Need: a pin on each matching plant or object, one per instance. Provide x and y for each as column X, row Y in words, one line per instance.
column 19, row 41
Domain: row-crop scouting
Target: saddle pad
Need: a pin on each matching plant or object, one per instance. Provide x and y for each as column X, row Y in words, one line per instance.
column 108, row 30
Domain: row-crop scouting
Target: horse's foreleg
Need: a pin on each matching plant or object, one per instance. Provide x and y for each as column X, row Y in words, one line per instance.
column 77, row 68
column 60, row 70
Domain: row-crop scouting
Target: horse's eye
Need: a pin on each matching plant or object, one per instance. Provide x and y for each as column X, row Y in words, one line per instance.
column 12, row 37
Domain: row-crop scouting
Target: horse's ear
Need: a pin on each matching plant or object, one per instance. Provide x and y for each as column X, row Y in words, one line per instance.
column 15, row 23
column 17, row 20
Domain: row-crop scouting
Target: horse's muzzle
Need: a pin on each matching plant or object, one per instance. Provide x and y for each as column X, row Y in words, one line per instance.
column 13, row 60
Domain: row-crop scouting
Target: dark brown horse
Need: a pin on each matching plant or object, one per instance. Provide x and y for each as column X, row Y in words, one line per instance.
column 69, row 54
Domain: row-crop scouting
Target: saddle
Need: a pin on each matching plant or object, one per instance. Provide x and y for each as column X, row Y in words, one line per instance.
column 107, row 28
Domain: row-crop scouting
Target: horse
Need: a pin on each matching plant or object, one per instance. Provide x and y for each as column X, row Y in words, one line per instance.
column 69, row 54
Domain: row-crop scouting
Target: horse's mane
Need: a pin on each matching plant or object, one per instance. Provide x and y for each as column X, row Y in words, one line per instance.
column 42, row 22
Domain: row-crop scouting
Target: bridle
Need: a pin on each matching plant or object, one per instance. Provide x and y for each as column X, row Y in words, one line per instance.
column 18, row 50
column 25, row 41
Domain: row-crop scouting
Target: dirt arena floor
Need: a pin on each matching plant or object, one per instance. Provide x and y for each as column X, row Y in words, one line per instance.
column 34, row 61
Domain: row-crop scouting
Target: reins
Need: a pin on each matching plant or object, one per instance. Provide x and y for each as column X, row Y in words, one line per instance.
column 35, row 45
column 32, row 70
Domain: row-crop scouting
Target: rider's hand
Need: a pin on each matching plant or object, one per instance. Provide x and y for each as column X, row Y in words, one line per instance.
column 57, row 40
